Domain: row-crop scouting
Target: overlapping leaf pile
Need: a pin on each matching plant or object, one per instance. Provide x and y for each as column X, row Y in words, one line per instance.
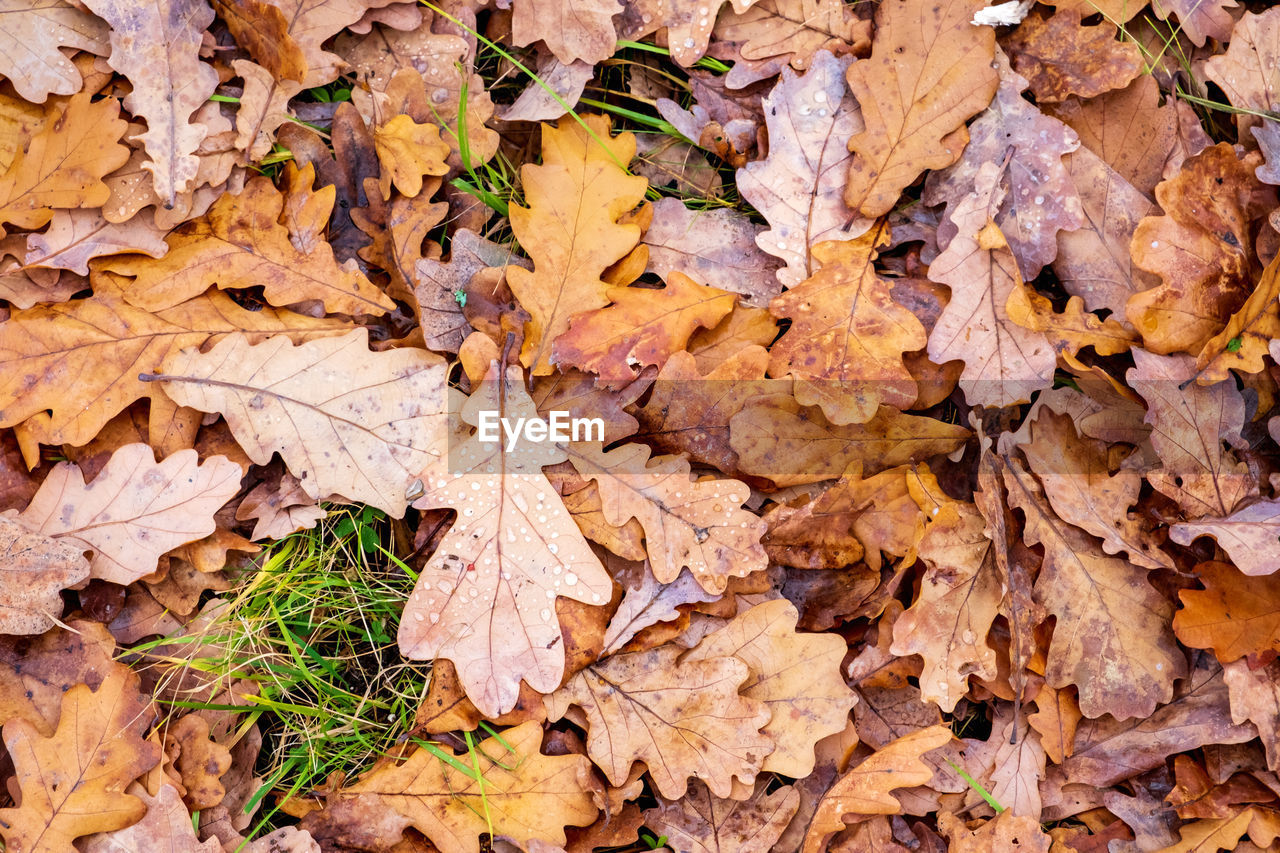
column 937, row 505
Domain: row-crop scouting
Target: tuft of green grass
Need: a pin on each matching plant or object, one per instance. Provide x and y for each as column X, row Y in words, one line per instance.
column 312, row 624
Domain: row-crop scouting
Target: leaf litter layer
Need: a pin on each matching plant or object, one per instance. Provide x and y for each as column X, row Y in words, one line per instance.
column 930, row 354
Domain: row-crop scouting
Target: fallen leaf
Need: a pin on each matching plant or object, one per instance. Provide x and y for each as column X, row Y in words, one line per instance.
column 165, row 827
column 158, row 50
column 571, row 230
column 716, row 247
column 865, row 790
column 63, row 164
column 201, row 762
column 960, row 594
column 436, row 284
column 512, row 551
column 1200, row 250
column 264, row 106
column 701, row 822
column 847, row 337
column 698, row 525
column 681, row 718
column 1201, row 20
column 1105, row 609
column 933, row 51
column 797, row 187
column 262, row 30
column 1250, row 536
column 1004, row 363
column 72, row 782
column 31, row 46
column 796, row 675
column 35, row 569
column 1255, row 698
column 279, row 509
column 1059, row 56
column 40, row 670
column 135, row 510
column 245, row 240
column 793, row 31
column 641, row 327
column 346, row 421
column 1234, row 616
column 1005, row 831
column 74, row 237
column 555, row 91
column 1242, row 343
column 407, row 151
column 583, row 31
column 524, row 794
column 648, row 602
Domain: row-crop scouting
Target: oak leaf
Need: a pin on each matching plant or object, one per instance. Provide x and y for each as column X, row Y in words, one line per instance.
column 73, row 781
column 680, row 718
column 264, row 106
column 639, row 328
column 1006, row 831
column 796, row 187
column 1004, row 363
column 1200, row 250
column 1083, row 491
column 688, row 23
column 31, row 46
column 346, row 421
column 63, row 164
column 407, row 151
column 571, row 230
column 74, row 237
column 1242, row 71
column 81, row 359
column 775, row 437
column 647, row 602
column 1039, row 200
column 39, row 670
column 165, row 827
column 158, row 49
column 717, row 247
column 796, row 675
column 262, row 30
column 520, row 793
column 847, row 336
column 1060, row 57
column 256, row 237
column 793, row 31
column 1233, row 615
column 581, row 31
column 865, row 790
column 1255, row 698
column 135, row 510
column 35, row 570
column 512, row 552
column 960, row 595
column 1242, row 343
column 700, row 822
column 279, row 509
column 1190, row 423
column 1250, row 536
column 698, row 525
column 929, row 72
column 310, row 24
column 1106, row 609
column 1201, row 20
column 435, row 283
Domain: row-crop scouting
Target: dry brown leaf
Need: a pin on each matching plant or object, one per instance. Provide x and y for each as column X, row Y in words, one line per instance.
column 698, row 525
column 74, row 237
column 157, row 48
column 35, row 570
column 259, row 237
column 31, row 46
column 1250, row 536
column 1242, row 343
column 797, row 676
column 847, row 337
column 165, row 828
column 570, row 229
column 1243, row 70
column 700, row 822
column 436, row 284
column 1061, row 57
column 345, row 420
column 310, row 23
column 1255, row 698
column 279, row 509
column 1039, row 200
column 1201, row 20
column 1005, row 832
column 929, row 72
column 1233, row 615
column 865, row 790
column 39, row 670
column 1190, row 423
column 681, row 718
column 407, row 151
column 960, row 595
column 72, row 783
column 62, row 165
column 775, row 437
column 264, row 106
column 797, row 187
column 1004, row 363
column 793, row 31
column 511, row 553
column 716, row 247
column 135, row 510
column 1200, row 250
column 1106, row 609
column 535, row 800
column 1055, row 720
column 581, row 31
column 263, row 31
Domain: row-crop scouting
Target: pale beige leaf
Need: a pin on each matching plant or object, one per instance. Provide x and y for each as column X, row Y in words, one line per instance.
column 157, row 47
column 264, row 106
column 681, row 718
column 31, row 43
column 165, row 828
column 345, row 420
column 696, row 525
column 34, row 570
column 797, row 675
column 701, row 822
column 74, row 237
column 486, row 599
column 135, row 510
column 581, row 30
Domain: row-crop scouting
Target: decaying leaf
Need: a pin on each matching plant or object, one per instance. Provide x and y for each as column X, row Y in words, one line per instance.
column 35, row 570
column 1061, row 57
column 700, row 822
